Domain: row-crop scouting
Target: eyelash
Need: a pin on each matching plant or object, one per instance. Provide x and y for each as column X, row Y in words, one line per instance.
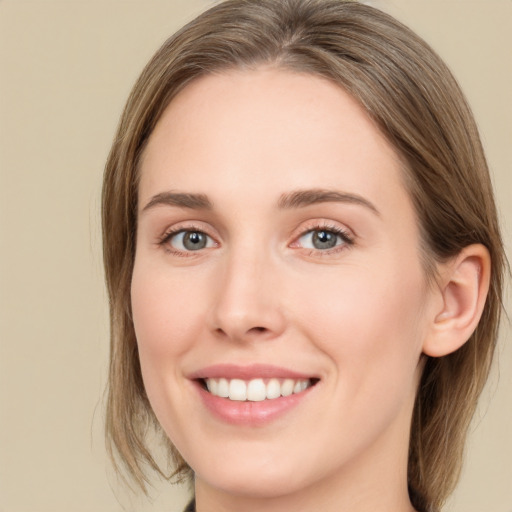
column 164, row 241
column 346, row 238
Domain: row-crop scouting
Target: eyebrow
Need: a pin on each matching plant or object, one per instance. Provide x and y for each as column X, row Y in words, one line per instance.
column 302, row 198
column 180, row 199
column 291, row 200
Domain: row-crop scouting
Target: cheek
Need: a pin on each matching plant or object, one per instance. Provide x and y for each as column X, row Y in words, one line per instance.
column 368, row 322
column 165, row 315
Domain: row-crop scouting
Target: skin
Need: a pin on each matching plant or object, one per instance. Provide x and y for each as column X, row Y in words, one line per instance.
column 356, row 316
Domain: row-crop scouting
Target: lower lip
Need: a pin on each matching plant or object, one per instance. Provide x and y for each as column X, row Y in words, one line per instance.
column 250, row 413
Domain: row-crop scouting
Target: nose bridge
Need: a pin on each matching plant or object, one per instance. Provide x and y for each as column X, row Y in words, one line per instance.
column 247, row 299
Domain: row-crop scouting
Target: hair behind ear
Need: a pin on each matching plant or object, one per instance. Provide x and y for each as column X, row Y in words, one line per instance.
column 459, row 351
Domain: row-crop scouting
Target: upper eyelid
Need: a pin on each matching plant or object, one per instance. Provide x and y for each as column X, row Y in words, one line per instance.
column 327, row 224
column 180, row 227
column 346, row 239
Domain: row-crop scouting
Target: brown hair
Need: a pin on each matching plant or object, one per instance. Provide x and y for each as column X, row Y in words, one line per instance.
column 414, row 99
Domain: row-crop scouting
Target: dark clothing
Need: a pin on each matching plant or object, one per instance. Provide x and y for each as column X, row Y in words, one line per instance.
column 191, row 507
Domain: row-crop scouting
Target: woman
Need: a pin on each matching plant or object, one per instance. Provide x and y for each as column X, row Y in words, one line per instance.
column 303, row 261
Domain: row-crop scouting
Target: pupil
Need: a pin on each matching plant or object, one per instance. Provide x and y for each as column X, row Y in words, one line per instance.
column 194, row 240
column 324, row 239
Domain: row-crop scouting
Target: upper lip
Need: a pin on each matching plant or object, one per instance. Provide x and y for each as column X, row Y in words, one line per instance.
column 253, row 371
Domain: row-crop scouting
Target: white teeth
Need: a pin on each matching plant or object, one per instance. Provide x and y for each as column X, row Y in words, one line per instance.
column 213, row 386
column 255, row 390
column 223, row 388
column 287, row 387
column 238, row 390
column 273, row 389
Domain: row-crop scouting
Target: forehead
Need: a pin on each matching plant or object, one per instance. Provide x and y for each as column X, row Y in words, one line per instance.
column 267, row 129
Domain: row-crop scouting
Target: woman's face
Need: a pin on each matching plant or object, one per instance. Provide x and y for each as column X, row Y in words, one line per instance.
column 277, row 253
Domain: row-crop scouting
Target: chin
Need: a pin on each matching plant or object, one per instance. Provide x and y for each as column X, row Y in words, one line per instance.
column 266, row 481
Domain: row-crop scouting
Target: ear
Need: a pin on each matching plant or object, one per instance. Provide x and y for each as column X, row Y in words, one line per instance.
column 463, row 285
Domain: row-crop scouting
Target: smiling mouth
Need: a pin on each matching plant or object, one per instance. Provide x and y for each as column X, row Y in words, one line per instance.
column 255, row 390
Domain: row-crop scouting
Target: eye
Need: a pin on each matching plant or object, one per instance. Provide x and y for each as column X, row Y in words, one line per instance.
column 190, row 240
column 323, row 239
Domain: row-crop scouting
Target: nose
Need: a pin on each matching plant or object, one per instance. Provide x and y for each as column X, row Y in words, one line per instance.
column 247, row 305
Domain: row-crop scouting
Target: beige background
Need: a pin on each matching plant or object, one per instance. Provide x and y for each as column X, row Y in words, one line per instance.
column 66, row 68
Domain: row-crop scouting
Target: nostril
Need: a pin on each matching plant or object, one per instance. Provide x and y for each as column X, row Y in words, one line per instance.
column 258, row 329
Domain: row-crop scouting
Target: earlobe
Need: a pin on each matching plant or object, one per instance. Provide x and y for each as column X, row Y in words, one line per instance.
column 464, row 284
